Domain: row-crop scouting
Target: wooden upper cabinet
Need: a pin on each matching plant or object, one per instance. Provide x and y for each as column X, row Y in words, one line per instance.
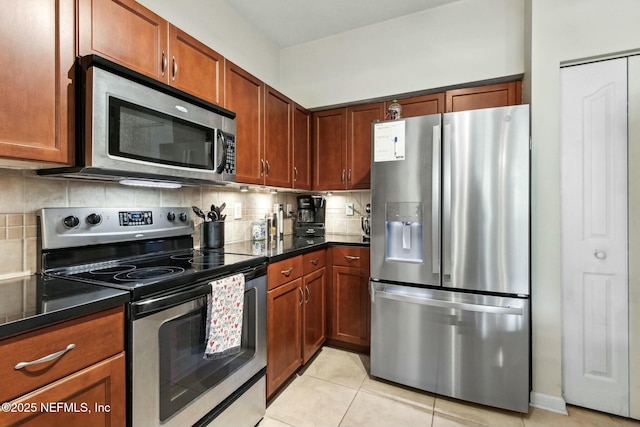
column 496, row 95
column 330, row 152
column 125, row 32
column 278, row 139
column 301, row 148
column 422, row 105
column 359, row 135
column 243, row 94
column 194, row 67
column 36, row 86
column 131, row 35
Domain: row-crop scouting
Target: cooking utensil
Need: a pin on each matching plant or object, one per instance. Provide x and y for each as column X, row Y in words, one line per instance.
column 213, row 215
column 199, row 212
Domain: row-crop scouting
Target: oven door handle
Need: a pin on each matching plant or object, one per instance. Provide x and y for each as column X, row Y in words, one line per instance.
column 151, row 305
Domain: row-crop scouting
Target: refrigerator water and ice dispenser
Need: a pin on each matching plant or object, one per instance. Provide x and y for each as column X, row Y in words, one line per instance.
column 404, row 231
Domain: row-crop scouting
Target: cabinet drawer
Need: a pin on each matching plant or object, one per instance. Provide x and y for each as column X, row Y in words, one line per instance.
column 351, row 256
column 313, row 261
column 95, row 337
column 284, row 271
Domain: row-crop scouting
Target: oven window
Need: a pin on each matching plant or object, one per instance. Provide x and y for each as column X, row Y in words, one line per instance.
column 136, row 132
column 184, row 373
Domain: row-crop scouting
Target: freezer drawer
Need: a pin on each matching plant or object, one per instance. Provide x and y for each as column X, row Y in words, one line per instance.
column 466, row 346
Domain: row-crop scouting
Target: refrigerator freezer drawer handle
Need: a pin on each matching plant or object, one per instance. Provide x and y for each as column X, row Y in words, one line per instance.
column 451, row 304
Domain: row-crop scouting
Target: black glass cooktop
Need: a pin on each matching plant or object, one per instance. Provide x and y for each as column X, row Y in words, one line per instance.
column 161, row 271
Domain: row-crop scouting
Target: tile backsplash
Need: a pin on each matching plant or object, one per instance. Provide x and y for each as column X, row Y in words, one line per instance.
column 22, row 193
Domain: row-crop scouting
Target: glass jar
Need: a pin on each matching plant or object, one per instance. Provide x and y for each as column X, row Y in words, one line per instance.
column 258, row 230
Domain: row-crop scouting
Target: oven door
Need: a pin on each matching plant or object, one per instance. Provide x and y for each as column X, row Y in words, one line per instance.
column 172, row 383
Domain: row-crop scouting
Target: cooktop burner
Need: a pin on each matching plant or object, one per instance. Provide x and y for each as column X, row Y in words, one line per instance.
column 139, row 274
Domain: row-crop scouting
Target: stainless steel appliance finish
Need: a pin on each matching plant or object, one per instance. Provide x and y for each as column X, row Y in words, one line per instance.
column 149, row 252
column 134, row 127
column 193, row 386
column 408, row 209
column 485, row 242
column 469, row 346
column 450, row 254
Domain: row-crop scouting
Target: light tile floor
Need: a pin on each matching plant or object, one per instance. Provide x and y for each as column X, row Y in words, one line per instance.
column 336, row 390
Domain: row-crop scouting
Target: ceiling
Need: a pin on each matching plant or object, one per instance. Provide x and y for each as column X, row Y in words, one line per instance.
column 291, row 22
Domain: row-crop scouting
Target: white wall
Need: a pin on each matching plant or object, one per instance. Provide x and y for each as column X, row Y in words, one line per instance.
column 561, row 31
column 219, row 26
column 462, row 42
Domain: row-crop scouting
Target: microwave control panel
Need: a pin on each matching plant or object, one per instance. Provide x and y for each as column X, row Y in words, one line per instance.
column 230, row 163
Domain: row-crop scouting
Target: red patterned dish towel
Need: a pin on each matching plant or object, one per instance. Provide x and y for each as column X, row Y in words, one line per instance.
column 224, row 317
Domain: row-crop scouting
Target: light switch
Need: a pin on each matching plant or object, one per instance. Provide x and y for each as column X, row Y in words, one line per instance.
column 349, row 210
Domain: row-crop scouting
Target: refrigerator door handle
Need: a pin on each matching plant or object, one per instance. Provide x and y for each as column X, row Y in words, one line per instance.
column 435, row 201
column 446, row 204
column 448, row 304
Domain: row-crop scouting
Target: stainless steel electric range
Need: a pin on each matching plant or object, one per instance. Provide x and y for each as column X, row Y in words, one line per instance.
column 149, row 252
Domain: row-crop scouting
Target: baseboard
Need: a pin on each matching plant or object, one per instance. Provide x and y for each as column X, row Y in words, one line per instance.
column 548, row 402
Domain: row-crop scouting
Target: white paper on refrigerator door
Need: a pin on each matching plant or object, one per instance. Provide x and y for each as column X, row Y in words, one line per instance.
column 388, row 141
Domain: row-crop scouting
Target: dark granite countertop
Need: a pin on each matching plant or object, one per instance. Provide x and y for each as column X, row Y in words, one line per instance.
column 291, row 245
column 34, row 301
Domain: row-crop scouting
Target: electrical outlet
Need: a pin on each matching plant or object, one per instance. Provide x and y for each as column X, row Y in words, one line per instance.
column 349, row 209
column 237, row 211
column 289, row 211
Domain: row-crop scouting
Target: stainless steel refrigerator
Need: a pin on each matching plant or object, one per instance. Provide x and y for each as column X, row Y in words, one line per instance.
column 450, row 287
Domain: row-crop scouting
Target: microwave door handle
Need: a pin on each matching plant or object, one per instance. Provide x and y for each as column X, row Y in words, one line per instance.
column 221, row 143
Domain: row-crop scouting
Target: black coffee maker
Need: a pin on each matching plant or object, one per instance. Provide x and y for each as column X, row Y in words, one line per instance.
column 310, row 221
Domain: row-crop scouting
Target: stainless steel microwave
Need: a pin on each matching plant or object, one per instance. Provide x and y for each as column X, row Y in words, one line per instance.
column 135, row 130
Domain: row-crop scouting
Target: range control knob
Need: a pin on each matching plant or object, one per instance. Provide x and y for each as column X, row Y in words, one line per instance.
column 94, row 219
column 171, row 216
column 71, row 221
column 183, row 217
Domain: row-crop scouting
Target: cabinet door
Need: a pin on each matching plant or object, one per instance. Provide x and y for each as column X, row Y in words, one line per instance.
column 330, row 152
column 497, row 95
column 194, row 67
column 243, row 94
column 350, row 300
column 301, row 148
column 284, row 326
column 38, row 44
column 94, row 396
column 360, row 118
column 314, row 321
column 125, row 32
column 422, row 105
column 278, row 148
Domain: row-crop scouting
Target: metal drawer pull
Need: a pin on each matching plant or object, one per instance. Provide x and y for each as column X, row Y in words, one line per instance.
column 308, row 294
column 352, row 258
column 287, row 272
column 164, row 63
column 315, row 261
column 48, row 358
column 301, row 296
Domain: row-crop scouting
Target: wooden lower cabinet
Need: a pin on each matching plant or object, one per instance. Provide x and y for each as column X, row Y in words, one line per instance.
column 349, row 303
column 284, row 332
column 295, row 315
column 313, row 323
column 351, row 308
column 94, row 396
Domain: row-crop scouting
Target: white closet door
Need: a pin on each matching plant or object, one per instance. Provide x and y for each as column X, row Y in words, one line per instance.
column 634, row 236
column 594, row 236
